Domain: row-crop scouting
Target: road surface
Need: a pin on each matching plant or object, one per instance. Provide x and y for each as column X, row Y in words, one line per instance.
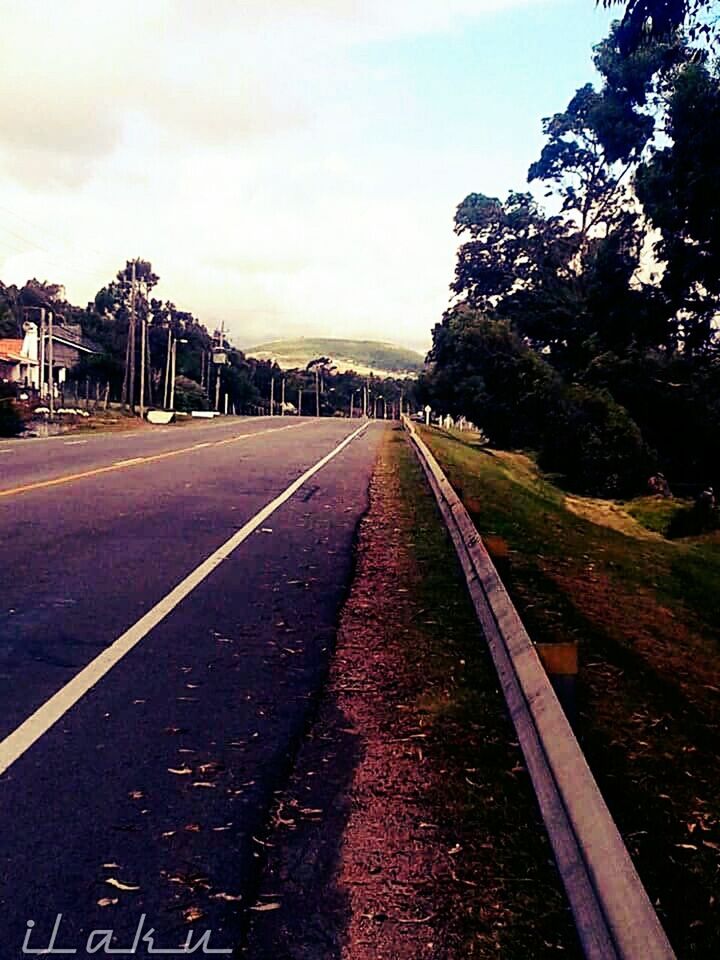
column 167, row 607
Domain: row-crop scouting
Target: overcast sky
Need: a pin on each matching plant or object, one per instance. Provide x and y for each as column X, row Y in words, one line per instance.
column 289, row 166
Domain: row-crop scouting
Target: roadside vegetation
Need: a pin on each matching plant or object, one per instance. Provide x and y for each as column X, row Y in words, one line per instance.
column 645, row 612
column 507, row 897
column 584, row 323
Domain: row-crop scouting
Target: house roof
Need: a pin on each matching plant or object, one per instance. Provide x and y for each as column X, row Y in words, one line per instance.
column 11, row 350
column 73, row 337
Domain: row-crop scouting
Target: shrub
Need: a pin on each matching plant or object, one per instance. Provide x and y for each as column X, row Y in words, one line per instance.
column 595, row 445
column 189, row 395
column 11, row 423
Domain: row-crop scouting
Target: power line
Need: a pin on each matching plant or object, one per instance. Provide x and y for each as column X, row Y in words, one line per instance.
column 62, row 238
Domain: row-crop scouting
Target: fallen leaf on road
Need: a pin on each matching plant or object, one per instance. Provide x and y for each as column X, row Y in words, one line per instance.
column 192, row 828
column 226, row 896
column 182, row 772
column 266, row 530
column 212, row 767
column 136, row 795
column 169, row 833
column 192, row 914
column 111, row 866
column 263, row 907
column 120, row 886
column 201, row 783
column 107, row 902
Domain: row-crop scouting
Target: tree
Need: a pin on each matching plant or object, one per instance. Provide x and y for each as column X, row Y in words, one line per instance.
column 570, row 282
column 8, row 325
column 479, row 368
column 645, row 21
column 677, row 186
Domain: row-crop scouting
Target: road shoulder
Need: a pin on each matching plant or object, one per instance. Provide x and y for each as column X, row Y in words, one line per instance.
column 408, row 829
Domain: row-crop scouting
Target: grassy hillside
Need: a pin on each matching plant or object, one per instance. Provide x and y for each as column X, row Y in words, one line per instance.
column 363, row 356
column 645, row 612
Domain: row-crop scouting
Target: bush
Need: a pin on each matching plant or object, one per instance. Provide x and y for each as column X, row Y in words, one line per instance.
column 189, row 395
column 595, row 445
column 482, row 370
column 11, row 423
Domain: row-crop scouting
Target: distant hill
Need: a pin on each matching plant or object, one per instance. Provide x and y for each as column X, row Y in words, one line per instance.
column 363, row 356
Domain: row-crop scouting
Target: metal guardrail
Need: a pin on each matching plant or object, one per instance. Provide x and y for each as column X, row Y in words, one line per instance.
column 613, row 914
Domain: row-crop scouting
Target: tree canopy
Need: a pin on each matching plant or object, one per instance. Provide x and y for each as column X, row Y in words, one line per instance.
column 584, row 324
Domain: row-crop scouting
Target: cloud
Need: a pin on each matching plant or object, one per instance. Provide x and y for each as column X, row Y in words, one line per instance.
column 73, row 73
column 74, row 76
column 286, row 165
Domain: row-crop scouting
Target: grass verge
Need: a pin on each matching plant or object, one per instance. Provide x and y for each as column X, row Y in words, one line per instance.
column 506, row 899
column 646, row 615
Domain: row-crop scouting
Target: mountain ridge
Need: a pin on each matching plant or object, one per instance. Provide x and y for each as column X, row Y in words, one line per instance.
column 362, row 356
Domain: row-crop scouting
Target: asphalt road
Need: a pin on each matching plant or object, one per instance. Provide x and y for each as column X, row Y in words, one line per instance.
column 144, row 726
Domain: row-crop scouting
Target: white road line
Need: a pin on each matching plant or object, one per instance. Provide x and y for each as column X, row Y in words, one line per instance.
column 24, row 736
column 73, row 443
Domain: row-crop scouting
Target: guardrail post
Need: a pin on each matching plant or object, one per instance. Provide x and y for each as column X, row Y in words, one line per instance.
column 561, row 665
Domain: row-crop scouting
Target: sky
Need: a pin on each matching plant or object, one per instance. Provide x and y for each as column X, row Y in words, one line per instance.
column 289, row 167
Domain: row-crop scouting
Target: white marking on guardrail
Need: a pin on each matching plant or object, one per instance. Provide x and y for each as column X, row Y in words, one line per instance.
column 24, row 736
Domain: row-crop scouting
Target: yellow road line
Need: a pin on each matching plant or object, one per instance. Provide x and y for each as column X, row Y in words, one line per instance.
column 136, row 461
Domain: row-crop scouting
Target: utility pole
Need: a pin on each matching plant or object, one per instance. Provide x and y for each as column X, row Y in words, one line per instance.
column 282, row 401
column 50, row 363
column 148, row 375
column 365, row 400
column 217, row 389
column 132, row 338
column 166, row 394
column 143, row 351
column 272, row 396
column 41, row 383
column 299, row 401
column 402, row 396
column 317, row 392
column 352, row 401
column 173, row 360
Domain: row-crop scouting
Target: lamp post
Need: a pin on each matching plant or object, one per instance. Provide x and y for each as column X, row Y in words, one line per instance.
column 166, row 393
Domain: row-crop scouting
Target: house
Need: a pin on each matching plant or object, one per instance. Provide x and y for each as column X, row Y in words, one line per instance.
column 16, row 366
column 69, row 346
column 20, row 360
